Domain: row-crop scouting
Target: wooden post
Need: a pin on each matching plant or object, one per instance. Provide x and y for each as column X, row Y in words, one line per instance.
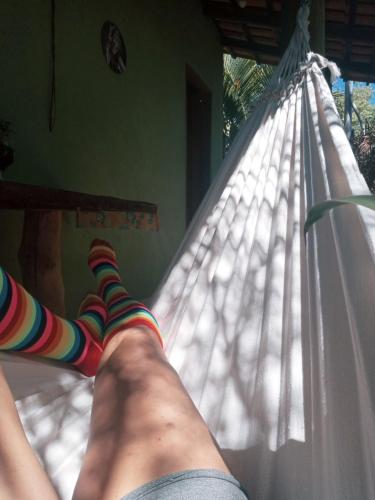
column 17, row 196
column 348, row 109
column 40, row 251
column 318, row 26
column 40, row 258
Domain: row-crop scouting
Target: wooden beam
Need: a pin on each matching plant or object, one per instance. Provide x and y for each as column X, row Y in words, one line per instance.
column 365, row 71
column 261, row 17
column 341, row 31
column 253, row 47
column 40, row 258
column 271, row 55
column 250, row 15
column 245, row 27
column 251, row 41
column 269, row 4
column 317, row 26
column 264, row 59
column 14, row 195
column 349, row 44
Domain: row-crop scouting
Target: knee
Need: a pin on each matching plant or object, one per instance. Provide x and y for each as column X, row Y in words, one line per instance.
column 135, row 357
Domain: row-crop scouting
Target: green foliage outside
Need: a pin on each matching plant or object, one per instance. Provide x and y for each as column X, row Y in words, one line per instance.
column 361, row 98
column 362, row 141
column 244, row 83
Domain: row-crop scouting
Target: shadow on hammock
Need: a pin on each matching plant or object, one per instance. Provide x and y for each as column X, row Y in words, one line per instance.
column 54, row 403
column 289, row 468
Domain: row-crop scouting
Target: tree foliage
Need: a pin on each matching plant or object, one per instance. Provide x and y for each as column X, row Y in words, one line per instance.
column 244, row 83
column 362, row 142
column 361, row 98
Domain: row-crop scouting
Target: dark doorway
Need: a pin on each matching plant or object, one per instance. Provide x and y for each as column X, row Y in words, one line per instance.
column 198, row 121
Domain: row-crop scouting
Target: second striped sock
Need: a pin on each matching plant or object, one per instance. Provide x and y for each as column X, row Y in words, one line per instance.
column 123, row 311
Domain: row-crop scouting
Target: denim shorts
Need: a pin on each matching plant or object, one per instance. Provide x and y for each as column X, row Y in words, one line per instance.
column 200, row 484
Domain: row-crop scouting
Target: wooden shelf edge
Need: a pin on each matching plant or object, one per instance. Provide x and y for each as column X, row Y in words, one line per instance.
column 18, row 196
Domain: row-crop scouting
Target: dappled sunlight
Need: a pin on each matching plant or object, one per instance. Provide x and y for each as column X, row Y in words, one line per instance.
column 270, row 340
column 55, row 415
column 272, row 335
column 231, row 336
column 254, row 318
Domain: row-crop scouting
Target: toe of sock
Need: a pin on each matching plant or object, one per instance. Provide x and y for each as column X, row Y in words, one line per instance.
column 100, row 243
column 90, row 301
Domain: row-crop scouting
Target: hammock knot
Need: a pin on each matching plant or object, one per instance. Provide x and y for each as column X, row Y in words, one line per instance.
column 322, row 62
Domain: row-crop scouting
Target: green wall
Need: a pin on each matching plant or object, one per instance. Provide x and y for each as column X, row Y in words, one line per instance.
column 119, row 135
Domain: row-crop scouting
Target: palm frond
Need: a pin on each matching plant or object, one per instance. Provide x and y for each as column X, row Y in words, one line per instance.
column 244, row 83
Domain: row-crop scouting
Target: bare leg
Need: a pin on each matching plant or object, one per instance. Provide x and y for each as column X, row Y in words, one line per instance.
column 144, row 425
column 21, row 475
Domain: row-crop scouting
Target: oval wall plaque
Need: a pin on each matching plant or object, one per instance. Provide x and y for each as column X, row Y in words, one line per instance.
column 113, row 47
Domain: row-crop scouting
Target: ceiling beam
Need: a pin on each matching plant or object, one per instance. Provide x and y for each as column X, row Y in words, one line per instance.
column 234, row 4
column 245, row 27
column 317, row 26
column 251, row 41
column 250, row 15
column 260, row 17
column 338, row 31
column 347, row 68
column 253, row 47
column 356, row 33
column 362, row 69
column 349, row 43
column 269, row 6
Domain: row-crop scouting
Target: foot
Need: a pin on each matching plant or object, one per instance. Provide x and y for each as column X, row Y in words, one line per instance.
column 123, row 311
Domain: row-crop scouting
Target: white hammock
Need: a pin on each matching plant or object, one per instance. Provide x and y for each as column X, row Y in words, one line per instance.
column 274, row 339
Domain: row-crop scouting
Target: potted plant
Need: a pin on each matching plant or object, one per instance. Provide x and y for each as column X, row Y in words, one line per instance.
column 6, row 151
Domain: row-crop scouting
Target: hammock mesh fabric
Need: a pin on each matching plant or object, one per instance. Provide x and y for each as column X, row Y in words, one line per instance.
column 273, row 338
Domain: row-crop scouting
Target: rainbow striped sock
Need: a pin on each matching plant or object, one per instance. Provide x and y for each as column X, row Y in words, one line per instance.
column 27, row 326
column 123, row 311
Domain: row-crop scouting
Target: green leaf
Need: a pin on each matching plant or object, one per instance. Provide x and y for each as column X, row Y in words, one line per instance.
column 320, row 209
column 243, row 84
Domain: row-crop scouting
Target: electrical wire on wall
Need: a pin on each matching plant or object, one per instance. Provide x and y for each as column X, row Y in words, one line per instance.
column 52, row 108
